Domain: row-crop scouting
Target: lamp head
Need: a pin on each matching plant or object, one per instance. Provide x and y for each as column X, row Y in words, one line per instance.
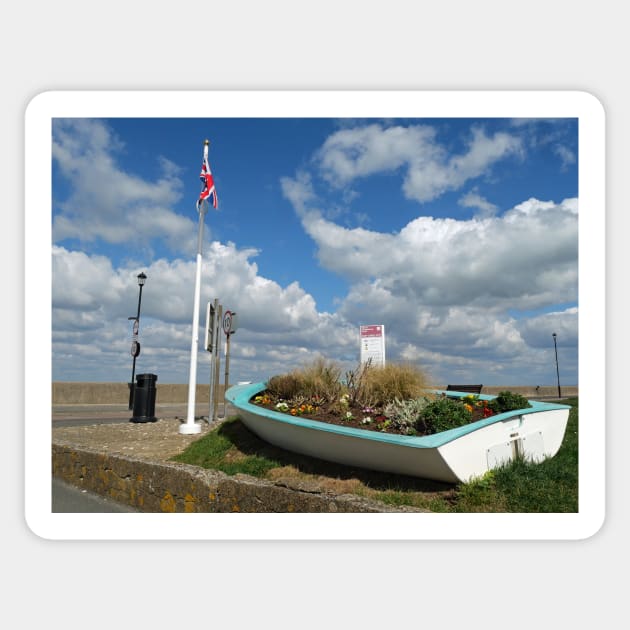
column 142, row 278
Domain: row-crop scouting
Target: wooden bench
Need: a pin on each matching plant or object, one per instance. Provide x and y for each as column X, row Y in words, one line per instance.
column 469, row 389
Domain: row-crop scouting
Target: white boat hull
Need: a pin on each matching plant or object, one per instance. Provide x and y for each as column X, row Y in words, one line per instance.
column 451, row 456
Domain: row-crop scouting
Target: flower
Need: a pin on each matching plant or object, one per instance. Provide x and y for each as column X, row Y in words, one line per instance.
column 366, row 420
column 349, row 415
column 282, row 406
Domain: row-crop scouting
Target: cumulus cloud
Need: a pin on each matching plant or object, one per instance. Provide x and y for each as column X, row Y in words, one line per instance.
column 448, row 290
column 107, row 202
column 430, row 170
column 92, row 302
column 523, row 259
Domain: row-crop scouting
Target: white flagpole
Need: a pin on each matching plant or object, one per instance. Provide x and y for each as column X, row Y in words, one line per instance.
column 191, row 427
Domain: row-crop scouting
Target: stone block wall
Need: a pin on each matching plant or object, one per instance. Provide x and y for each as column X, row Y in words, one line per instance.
column 174, row 487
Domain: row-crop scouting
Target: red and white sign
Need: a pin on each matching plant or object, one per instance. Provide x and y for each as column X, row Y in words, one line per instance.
column 371, row 331
column 373, row 344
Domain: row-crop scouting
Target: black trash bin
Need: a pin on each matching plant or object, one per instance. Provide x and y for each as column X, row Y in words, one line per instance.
column 144, row 398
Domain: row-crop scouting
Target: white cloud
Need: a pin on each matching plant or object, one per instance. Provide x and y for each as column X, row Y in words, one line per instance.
column 445, row 288
column 523, row 259
column 108, row 203
column 362, row 151
column 429, row 169
column 473, row 199
column 92, row 302
column 537, row 331
column 565, row 154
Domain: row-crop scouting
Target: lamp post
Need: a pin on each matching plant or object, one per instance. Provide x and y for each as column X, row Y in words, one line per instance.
column 135, row 345
column 557, row 370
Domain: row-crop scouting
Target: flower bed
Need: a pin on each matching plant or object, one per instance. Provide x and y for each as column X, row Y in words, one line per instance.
column 456, row 449
column 429, row 414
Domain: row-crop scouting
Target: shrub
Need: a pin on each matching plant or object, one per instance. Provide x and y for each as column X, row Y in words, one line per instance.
column 404, row 414
column 508, row 401
column 284, row 386
column 321, row 379
column 402, row 381
column 441, row 415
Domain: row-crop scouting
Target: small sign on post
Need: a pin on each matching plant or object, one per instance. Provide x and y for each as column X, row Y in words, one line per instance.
column 373, row 344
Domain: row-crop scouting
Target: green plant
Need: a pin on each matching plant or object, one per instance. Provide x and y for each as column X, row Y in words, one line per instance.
column 403, row 414
column 441, row 415
column 508, row 401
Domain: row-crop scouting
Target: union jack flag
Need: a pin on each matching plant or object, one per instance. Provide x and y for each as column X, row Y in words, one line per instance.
column 209, row 189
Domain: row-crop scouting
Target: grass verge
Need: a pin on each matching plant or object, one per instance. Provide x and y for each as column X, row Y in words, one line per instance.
column 551, row 486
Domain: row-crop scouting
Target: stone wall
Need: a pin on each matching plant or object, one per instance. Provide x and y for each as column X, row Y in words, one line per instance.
column 174, row 487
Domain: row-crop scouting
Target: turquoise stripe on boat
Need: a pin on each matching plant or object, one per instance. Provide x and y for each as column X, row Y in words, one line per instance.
column 240, row 395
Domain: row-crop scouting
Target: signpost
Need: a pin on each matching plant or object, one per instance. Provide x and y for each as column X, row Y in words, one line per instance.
column 216, row 321
column 210, row 343
column 229, row 328
column 216, row 360
column 373, row 344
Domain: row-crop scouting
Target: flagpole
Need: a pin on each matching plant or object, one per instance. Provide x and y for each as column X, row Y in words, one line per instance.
column 191, row 427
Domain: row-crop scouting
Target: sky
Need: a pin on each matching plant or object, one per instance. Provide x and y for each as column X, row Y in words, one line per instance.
column 459, row 235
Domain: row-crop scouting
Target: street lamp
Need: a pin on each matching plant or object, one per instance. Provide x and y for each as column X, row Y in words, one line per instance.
column 135, row 344
column 557, row 371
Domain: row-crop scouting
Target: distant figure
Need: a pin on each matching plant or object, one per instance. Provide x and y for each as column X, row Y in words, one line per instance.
column 537, row 388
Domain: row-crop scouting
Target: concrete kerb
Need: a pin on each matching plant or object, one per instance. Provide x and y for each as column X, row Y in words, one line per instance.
column 174, row 487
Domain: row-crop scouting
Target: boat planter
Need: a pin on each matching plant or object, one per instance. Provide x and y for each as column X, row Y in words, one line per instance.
column 452, row 456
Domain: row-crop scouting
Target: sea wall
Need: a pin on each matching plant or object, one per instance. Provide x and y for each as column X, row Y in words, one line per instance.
column 68, row 393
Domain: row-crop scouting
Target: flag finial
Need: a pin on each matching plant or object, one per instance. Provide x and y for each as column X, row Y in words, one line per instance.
column 206, row 142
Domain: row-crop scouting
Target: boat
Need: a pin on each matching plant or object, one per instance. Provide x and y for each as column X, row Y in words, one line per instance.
column 457, row 455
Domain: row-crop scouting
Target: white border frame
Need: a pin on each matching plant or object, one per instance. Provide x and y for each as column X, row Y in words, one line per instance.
column 391, row 104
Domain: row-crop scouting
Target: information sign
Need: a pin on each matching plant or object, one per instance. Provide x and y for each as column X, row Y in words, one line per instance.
column 372, row 339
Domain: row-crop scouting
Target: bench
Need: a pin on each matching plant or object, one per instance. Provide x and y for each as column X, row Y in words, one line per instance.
column 469, row 389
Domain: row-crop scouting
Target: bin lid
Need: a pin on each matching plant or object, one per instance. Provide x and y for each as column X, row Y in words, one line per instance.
column 146, row 377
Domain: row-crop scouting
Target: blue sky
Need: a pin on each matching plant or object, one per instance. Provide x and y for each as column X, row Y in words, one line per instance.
column 458, row 234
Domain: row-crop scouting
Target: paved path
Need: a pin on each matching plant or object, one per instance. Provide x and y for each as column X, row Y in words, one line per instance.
column 67, row 498
column 76, row 415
